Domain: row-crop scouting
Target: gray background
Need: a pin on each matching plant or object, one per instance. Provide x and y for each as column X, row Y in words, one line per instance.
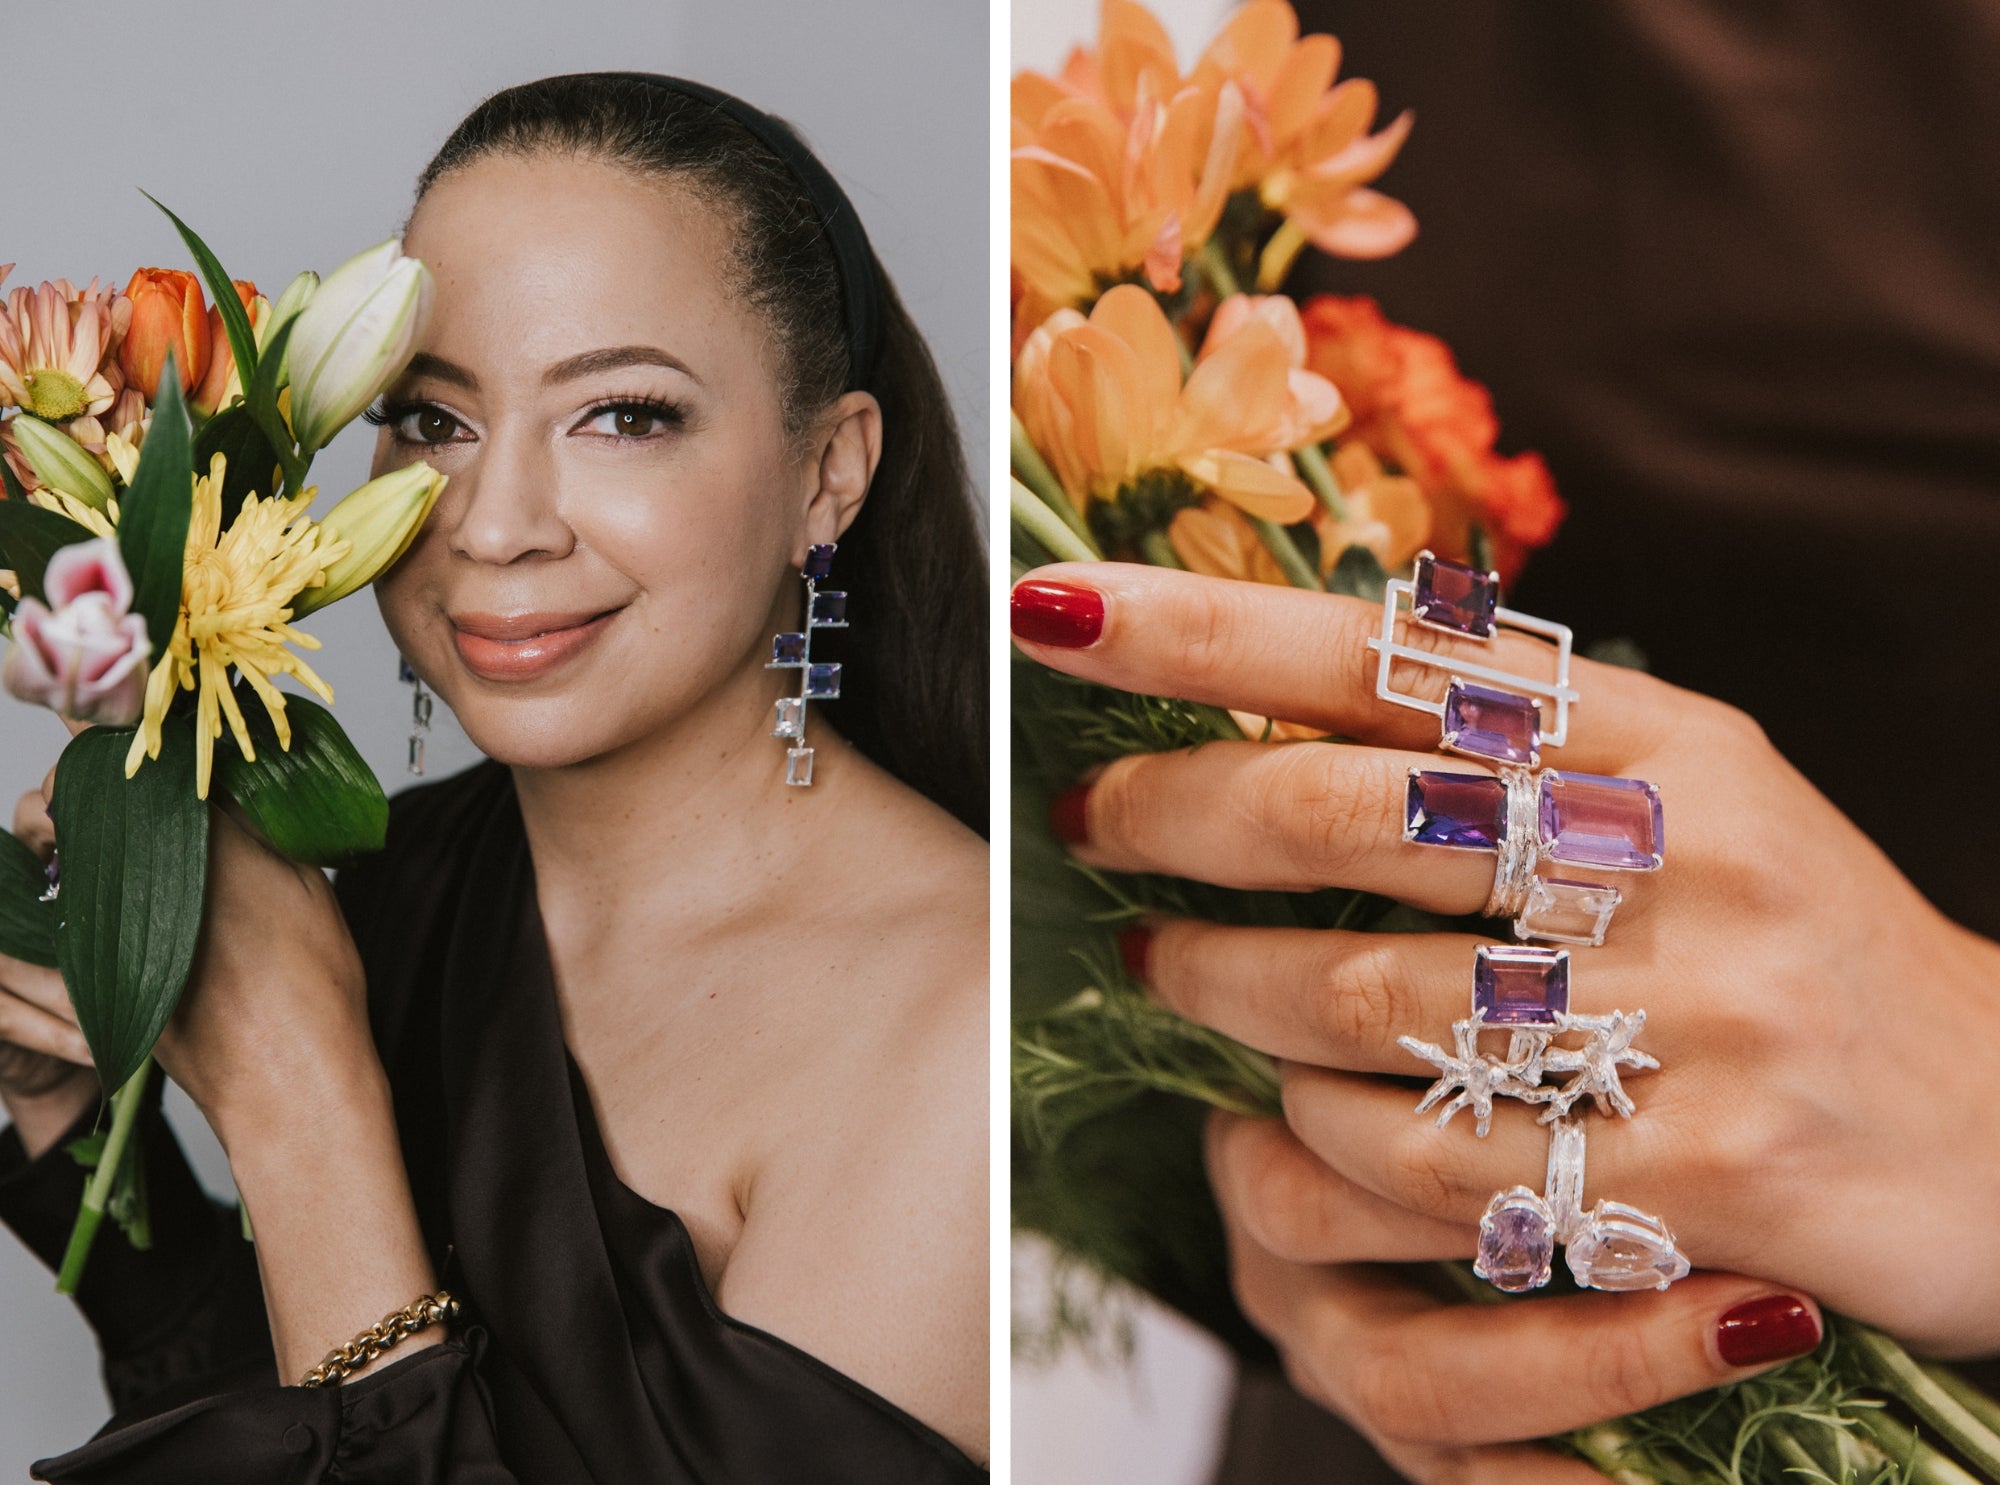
column 289, row 135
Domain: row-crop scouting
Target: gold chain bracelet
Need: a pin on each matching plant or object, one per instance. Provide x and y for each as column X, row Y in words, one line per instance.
column 343, row 1361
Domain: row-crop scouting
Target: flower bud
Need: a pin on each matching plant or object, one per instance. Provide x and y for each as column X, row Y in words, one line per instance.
column 61, row 463
column 83, row 654
column 223, row 385
column 295, row 298
column 378, row 521
column 168, row 316
column 354, row 337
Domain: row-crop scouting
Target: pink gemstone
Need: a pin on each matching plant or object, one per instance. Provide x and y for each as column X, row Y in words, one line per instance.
column 1588, row 819
column 1516, row 985
column 1517, row 1242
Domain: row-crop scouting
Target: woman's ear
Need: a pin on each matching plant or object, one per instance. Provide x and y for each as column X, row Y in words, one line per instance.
column 848, row 449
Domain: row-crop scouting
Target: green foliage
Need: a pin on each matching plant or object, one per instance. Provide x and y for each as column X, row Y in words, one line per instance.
column 27, row 924
column 235, row 319
column 317, row 802
column 135, row 871
column 154, row 511
column 29, row 536
column 251, row 468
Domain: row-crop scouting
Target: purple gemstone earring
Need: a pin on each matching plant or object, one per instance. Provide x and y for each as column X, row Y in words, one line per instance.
column 420, row 714
column 793, row 651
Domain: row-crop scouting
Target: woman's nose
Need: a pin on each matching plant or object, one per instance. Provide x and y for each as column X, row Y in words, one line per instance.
column 502, row 504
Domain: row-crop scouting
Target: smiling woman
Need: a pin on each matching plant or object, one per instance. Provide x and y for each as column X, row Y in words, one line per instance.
column 666, row 1131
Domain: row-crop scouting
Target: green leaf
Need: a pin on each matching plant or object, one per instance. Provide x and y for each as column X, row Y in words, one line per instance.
column 261, row 397
column 89, row 1150
column 29, row 536
column 1358, row 574
column 235, row 319
column 154, row 511
column 27, row 924
column 135, row 872
column 252, row 466
column 318, row 802
column 10, row 483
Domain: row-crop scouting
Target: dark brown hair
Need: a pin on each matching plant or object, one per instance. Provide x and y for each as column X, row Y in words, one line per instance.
column 914, row 676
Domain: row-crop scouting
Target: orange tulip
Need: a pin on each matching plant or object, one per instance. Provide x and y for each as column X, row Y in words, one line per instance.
column 168, row 315
column 1103, row 400
column 221, row 383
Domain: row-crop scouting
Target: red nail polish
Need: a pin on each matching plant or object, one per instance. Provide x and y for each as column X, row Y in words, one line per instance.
column 1767, row 1329
column 1134, row 945
column 1060, row 614
column 1066, row 817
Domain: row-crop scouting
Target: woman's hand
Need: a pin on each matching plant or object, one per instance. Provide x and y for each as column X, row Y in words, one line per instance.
column 1829, row 1041
column 46, row 1078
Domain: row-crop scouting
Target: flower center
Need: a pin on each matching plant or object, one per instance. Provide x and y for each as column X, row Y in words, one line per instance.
column 55, row 396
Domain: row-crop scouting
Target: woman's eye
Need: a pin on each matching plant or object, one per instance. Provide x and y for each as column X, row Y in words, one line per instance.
column 428, row 425
column 628, row 420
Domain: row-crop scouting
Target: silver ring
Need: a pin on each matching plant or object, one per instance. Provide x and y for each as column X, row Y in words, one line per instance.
column 1612, row 1246
column 1565, row 1179
column 1519, row 849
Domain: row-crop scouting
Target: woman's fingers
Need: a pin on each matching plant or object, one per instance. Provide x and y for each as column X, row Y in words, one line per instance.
column 1299, row 656
column 1404, row 1367
column 36, row 1030
column 1297, row 1207
column 1497, row 1464
column 32, row 825
column 40, row 987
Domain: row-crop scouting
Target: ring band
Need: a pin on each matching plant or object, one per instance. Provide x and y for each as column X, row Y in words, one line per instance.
column 1519, row 849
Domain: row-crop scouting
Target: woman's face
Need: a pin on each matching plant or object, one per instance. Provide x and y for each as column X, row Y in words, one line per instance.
column 625, row 515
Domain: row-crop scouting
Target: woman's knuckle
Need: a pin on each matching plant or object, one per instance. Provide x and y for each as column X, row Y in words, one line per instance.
column 1396, row 1392
column 1625, row 1374
column 1204, row 636
column 1360, row 990
column 1315, row 814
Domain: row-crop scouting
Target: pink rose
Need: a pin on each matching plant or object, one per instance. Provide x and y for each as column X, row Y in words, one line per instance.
column 84, row 653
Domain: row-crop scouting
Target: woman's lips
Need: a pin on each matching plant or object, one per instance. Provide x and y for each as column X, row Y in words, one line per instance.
column 521, row 647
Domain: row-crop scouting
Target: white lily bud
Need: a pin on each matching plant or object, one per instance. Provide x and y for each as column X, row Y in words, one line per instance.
column 288, row 304
column 378, row 522
column 355, row 335
column 61, row 463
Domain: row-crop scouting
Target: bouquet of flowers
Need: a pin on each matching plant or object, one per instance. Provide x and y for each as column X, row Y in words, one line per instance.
column 1171, row 407
column 155, row 553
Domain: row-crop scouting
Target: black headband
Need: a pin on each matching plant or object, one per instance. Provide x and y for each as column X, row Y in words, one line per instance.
column 860, row 294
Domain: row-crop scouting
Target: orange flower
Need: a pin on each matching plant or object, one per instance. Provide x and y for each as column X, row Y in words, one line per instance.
column 1103, row 400
column 221, row 383
column 56, row 349
column 168, row 315
column 1386, row 513
column 1306, row 149
column 1424, row 419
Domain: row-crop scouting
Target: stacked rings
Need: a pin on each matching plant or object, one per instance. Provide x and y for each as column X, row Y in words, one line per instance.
column 1529, row 816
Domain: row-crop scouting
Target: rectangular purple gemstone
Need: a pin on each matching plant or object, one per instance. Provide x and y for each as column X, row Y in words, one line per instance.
column 1466, row 810
column 1587, row 819
column 1450, row 595
column 788, row 649
column 823, row 682
column 829, row 609
column 819, row 559
column 1520, row 986
column 1492, row 724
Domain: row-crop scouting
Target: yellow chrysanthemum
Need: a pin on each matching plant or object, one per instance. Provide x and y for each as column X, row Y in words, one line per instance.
column 100, row 522
column 235, row 599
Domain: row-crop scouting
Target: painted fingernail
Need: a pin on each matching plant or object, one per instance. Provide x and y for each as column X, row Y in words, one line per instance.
column 1135, row 944
column 1059, row 614
column 1066, row 817
column 1767, row 1329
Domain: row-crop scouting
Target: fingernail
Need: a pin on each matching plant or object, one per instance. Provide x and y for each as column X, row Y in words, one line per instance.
column 1059, row 614
column 1767, row 1329
column 1066, row 817
column 1134, row 945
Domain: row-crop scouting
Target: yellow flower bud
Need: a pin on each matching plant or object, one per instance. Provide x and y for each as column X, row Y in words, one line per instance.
column 378, row 521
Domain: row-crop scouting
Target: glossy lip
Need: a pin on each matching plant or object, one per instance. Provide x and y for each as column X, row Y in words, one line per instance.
column 524, row 647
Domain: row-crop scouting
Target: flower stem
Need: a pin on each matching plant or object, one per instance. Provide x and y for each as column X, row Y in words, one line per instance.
column 1975, row 1402
column 1899, row 1373
column 1927, row 1466
column 1045, row 526
column 1313, row 468
column 1215, row 267
column 97, row 1195
column 1032, row 470
column 1159, row 550
column 1279, row 254
column 1279, row 543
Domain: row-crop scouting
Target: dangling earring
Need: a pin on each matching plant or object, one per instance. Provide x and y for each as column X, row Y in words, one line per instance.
column 794, row 652
column 420, row 714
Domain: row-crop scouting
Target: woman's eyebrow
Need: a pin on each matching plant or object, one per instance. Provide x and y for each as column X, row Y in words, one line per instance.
column 611, row 359
column 425, row 364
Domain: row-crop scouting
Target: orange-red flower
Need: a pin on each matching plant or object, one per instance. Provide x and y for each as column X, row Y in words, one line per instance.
column 56, row 349
column 168, row 315
column 1103, row 400
column 1424, row 419
column 221, row 383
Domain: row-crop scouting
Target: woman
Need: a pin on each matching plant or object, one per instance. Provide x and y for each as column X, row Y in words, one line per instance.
column 612, row 1043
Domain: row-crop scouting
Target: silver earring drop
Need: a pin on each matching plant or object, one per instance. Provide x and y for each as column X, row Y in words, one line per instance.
column 420, row 714
column 793, row 651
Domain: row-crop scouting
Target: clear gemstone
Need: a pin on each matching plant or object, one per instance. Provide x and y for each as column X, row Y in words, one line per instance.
column 1520, row 986
column 1517, row 1242
column 1587, row 819
column 788, row 649
column 1622, row 1248
column 791, row 717
column 1467, row 810
column 819, row 559
column 1561, row 912
column 1450, row 595
column 798, row 765
column 1492, row 724
column 829, row 610
column 823, row 682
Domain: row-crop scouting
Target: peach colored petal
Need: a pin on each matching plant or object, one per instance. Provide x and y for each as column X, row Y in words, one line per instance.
column 1096, row 376
column 1218, row 169
column 1031, row 95
column 1307, row 73
column 1237, row 396
column 1316, row 412
column 1135, row 317
column 1343, row 117
column 1275, row 311
column 1362, row 224
column 1133, row 49
column 1367, row 157
column 1253, row 43
column 1215, row 540
column 1250, row 484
